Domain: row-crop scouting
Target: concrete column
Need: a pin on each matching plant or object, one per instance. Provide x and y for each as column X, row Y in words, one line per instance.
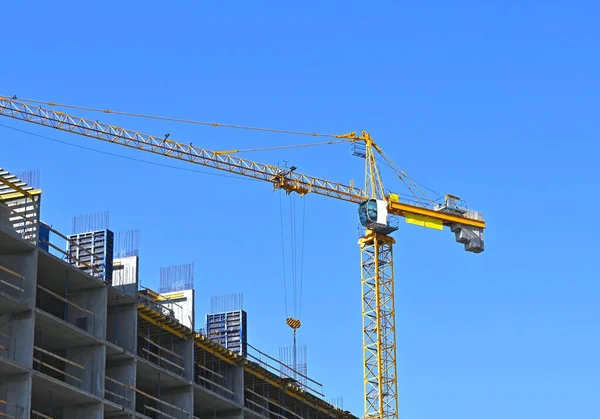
column 124, row 372
column 121, row 326
column 182, row 397
column 20, row 328
column 93, row 359
column 89, row 411
column 16, row 390
column 188, row 359
column 235, row 379
column 25, row 264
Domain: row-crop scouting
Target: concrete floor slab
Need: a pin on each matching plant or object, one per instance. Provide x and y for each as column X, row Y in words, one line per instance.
column 115, row 410
column 205, row 401
column 116, row 353
column 9, row 367
column 248, row 413
column 10, row 242
column 9, row 304
column 52, row 275
column 58, row 334
column 147, row 376
column 116, row 296
column 50, row 390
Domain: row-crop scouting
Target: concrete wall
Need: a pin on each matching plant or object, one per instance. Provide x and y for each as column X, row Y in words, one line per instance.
column 126, row 275
column 16, row 390
column 25, row 264
column 20, row 328
column 93, row 360
column 124, row 372
column 90, row 411
column 182, row 304
column 94, row 300
column 121, row 326
column 182, row 397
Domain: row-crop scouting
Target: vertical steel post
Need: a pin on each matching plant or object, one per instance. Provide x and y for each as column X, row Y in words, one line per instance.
column 379, row 326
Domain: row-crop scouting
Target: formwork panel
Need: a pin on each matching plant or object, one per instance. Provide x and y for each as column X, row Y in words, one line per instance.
column 93, row 248
column 229, row 329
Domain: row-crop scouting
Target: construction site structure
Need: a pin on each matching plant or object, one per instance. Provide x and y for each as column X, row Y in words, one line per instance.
column 73, row 345
column 378, row 209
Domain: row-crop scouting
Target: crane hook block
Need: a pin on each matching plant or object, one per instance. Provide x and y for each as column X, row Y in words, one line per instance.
column 293, row 323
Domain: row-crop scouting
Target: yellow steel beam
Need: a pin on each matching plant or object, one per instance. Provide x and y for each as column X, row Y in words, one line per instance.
column 402, row 209
column 229, row 358
column 17, row 188
column 33, row 192
column 162, row 325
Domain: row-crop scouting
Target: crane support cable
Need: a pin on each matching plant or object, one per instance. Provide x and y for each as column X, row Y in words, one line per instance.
column 186, row 121
column 293, row 181
column 290, row 181
column 285, row 146
column 401, row 174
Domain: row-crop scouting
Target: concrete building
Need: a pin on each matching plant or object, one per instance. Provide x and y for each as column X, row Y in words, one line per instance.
column 75, row 346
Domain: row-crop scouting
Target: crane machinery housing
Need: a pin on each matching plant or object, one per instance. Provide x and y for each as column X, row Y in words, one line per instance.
column 376, row 208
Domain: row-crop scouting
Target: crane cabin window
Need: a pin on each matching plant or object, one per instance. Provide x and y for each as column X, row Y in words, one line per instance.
column 367, row 213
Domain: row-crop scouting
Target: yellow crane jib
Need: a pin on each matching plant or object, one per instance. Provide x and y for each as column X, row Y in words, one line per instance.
column 377, row 212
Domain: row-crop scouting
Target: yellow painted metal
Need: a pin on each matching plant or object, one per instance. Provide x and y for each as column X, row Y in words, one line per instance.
column 424, row 221
column 401, row 209
column 373, row 182
column 14, row 195
column 379, row 326
column 170, row 296
column 293, row 323
column 23, row 192
column 160, row 324
column 290, row 182
column 376, row 249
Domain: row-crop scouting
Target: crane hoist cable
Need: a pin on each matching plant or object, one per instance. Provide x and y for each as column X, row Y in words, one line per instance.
column 293, row 313
column 292, row 253
column 378, row 312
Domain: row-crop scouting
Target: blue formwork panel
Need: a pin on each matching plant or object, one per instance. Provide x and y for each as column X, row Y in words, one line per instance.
column 94, row 248
column 229, row 329
column 44, row 237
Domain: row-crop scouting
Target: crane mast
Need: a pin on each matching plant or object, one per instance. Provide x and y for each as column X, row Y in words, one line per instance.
column 375, row 207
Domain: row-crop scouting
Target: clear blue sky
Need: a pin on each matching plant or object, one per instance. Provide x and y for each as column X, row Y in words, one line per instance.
column 494, row 101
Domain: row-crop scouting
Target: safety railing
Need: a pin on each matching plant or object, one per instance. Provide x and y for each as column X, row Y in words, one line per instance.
column 117, row 392
column 11, row 282
column 58, row 367
column 212, row 380
column 160, row 355
column 67, row 255
column 7, row 346
column 59, row 306
column 267, row 406
column 39, row 415
column 11, row 410
column 156, row 408
column 285, row 371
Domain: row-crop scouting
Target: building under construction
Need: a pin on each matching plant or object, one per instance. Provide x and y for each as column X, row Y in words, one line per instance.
column 79, row 338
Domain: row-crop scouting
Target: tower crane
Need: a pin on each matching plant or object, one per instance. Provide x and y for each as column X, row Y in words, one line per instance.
column 377, row 210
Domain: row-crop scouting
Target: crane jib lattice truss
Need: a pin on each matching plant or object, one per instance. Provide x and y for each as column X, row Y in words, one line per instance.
column 377, row 264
